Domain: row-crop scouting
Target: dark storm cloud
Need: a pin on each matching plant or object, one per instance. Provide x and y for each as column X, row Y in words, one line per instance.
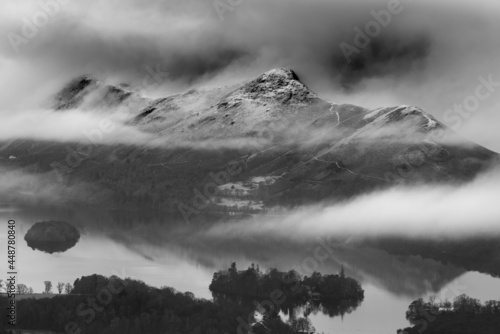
column 382, row 57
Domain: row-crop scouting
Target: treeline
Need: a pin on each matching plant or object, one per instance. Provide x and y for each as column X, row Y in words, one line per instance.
column 462, row 316
column 101, row 305
column 23, row 289
column 293, row 288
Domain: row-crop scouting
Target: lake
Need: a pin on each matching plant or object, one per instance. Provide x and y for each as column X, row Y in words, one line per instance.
column 164, row 254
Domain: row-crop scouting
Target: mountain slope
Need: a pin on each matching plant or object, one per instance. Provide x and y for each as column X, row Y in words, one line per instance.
column 87, row 93
column 292, row 146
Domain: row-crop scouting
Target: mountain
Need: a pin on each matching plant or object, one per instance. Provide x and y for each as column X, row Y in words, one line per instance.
column 86, row 92
column 284, row 144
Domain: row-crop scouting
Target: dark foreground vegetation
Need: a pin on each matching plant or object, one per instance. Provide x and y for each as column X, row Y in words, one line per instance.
column 464, row 315
column 101, row 305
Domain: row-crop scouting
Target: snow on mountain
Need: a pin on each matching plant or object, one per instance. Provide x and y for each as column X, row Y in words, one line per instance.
column 86, row 92
column 310, row 147
column 280, row 85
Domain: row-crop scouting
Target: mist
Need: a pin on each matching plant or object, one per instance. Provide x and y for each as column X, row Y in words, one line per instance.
column 42, row 189
column 429, row 55
column 431, row 211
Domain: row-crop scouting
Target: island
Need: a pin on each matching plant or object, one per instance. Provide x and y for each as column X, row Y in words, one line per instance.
column 52, row 236
column 290, row 293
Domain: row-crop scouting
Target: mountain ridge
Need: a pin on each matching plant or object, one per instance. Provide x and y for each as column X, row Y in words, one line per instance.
column 293, row 147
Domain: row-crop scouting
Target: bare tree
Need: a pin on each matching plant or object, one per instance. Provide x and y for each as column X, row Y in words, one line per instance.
column 48, row 287
column 60, row 287
column 30, row 291
column 68, row 287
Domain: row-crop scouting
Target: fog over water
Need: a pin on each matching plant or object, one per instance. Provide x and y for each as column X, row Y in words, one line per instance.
column 162, row 256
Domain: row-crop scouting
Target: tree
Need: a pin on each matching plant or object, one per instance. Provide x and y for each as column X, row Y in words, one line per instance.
column 48, row 287
column 342, row 272
column 233, row 271
column 302, row 325
column 67, row 288
column 60, row 287
column 492, row 307
column 466, row 304
column 419, row 312
column 22, row 289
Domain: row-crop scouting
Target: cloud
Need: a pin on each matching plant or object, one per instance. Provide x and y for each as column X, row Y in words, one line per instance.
column 69, row 126
column 425, row 211
column 43, row 189
column 431, row 54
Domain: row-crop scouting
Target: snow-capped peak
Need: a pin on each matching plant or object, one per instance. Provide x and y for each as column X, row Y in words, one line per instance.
column 279, row 85
column 283, row 72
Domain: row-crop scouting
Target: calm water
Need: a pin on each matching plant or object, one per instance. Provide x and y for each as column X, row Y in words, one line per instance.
column 162, row 256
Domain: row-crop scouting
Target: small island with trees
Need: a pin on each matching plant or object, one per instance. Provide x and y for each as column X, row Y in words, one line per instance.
column 254, row 283
column 274, row 291
column 52, row 236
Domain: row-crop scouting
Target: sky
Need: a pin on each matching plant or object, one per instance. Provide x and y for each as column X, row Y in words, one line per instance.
column 436, row 55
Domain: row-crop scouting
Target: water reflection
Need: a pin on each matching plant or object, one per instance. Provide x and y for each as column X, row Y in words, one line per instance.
column 51, row 246
column 409, row 276
column 156, row 240
column 165, row 253
column 293, row 310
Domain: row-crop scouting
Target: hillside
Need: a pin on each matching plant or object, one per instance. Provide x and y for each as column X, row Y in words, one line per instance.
column 284, row 144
